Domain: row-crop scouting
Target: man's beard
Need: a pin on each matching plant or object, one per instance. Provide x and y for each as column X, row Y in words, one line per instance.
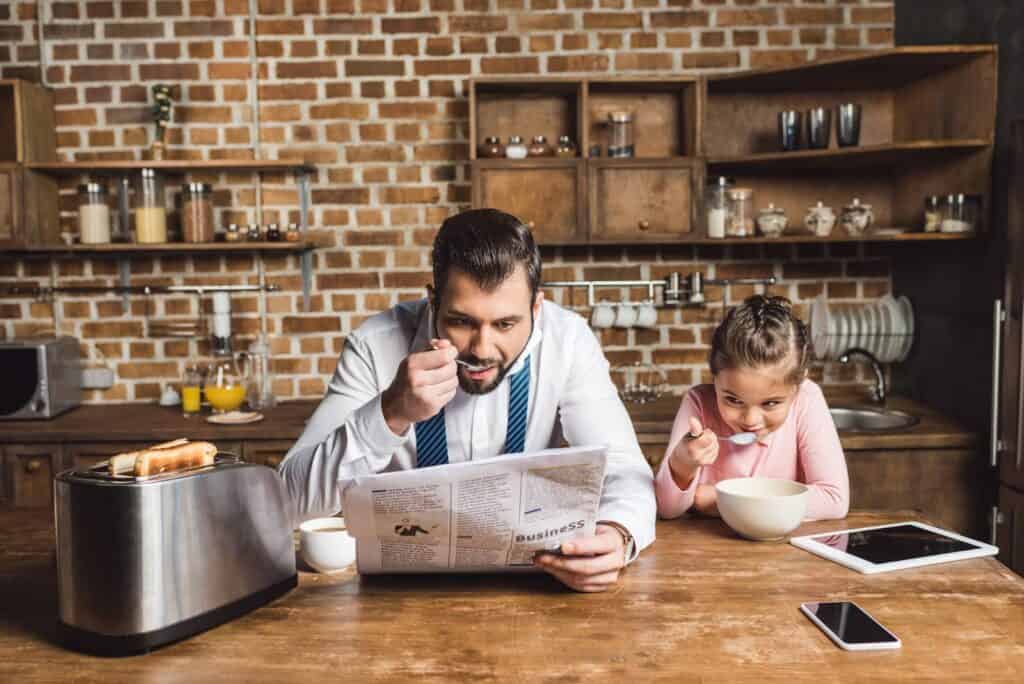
column 470, row 386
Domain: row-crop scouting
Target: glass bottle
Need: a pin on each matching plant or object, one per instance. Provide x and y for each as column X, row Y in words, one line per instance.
column 233, row 234
column 961, row 214
column 253, row 234
column 260, row 390
column 93, row 214
column 190, row 393
column 716, row 206
column 741, row 213
column 150, row 211
column 620, row 134
column 539, row 147
column 197, row 212
column 273, row 233
column 515, row 148
column 292, row 234
column 566, row 147
column 932, row 213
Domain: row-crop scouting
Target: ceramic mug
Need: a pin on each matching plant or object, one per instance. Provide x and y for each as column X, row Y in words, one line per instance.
column 603, row 315
column 647, row 315
column 625, row 316
column 326, row 545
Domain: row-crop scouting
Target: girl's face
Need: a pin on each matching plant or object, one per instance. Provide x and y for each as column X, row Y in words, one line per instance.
column 755, row 399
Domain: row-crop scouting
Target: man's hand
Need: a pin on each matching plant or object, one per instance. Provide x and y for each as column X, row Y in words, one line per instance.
column 425, row 382
column 588, row 564
column 696, row 449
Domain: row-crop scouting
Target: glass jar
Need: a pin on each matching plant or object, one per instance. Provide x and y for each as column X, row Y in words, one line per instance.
column 566, row 147
column 716, row 206
column 197, row 212
column 150, row 212
column 539, row 147
column 515, row 148
column 93, row 214
column 772, row 221
column 620, row 134
column 292, row 234
column 932, row 213
column 491, row 148
column 253, row 234
column 741, row 213
column 273, row 233
column 190, row 391
column 961, row 214
column 233, row 234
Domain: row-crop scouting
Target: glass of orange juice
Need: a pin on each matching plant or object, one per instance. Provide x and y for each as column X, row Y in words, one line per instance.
column 190, row 391
column 224, row 388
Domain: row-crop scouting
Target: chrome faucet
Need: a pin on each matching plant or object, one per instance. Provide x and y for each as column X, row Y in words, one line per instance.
column 879, row 392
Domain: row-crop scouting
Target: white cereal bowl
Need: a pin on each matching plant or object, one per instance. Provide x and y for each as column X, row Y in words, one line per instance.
column 326, row 545
column 761, row 508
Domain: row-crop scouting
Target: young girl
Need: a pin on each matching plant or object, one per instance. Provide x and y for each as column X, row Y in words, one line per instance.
column 759, row 362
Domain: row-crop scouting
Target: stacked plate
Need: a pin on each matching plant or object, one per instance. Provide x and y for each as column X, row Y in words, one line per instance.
column 884, row 328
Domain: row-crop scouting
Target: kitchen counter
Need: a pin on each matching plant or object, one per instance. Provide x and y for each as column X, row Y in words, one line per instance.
column 700, row 605
column 653, row 422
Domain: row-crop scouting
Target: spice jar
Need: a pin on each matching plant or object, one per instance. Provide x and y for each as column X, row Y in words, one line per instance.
column 491, row 148
column 197, row 212
column 253, row 234
column 856, row 217
column 539, row 147
column 292, row 234
column 150, row 212
column 741, row 214
column 93, row 214
column 716, row 206
column 772, row 221
column 961, row 214
column 233, row 234
column 620, row 134
column 932, row 213
column 566, row 147
column 273, row 233
column 820, row 220
column 515, row 148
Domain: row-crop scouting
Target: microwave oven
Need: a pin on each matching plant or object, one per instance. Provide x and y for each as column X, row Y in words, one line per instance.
column 43, row 377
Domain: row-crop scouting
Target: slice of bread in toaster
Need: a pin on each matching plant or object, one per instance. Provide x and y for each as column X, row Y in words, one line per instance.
column 124, row 463
column 191, row 455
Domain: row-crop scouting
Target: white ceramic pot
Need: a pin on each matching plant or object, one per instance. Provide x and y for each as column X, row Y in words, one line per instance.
column 326, row 545
column 761, row 508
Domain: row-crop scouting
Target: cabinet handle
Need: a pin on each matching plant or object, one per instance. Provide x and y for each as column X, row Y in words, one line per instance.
column 997, row 370
column 33, row 465
column 644, row 224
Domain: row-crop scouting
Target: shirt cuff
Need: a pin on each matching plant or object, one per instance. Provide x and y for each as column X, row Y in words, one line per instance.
column 372, row 429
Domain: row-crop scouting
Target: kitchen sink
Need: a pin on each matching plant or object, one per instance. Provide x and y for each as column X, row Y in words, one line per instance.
column 871, row 419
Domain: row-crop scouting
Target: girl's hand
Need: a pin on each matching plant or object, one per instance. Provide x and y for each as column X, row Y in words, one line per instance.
column 697, row 448
column 705, row 501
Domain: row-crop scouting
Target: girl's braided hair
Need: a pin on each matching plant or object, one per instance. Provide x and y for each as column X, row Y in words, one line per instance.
column 762, row 331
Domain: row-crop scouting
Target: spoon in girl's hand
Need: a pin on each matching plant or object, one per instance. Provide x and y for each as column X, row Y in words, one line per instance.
column 741, row 438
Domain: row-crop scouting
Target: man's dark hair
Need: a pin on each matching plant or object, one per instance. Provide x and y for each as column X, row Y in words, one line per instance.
column 487, row 245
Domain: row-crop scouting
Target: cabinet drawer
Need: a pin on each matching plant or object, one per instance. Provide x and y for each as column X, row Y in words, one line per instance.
column 29, row 471
column 546, row 195
column 637, row 200
column 269, row 452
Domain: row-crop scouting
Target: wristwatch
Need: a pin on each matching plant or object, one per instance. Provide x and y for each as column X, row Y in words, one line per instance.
column 627, row 538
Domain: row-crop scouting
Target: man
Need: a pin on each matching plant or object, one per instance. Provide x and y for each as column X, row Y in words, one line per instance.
column 483, row 366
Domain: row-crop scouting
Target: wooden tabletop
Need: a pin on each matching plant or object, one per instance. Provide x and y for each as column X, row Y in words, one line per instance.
column 701, row 605
column 653, row 423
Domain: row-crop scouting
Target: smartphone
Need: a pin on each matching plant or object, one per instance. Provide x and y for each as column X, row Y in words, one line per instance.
column 850, row 626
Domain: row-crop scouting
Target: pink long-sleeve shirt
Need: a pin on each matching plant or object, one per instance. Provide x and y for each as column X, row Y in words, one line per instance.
column 805, row 448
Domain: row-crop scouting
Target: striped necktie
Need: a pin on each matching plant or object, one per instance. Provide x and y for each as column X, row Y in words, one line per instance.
column 432, row 440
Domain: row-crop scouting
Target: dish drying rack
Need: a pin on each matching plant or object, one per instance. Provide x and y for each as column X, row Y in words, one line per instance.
column 884, row 329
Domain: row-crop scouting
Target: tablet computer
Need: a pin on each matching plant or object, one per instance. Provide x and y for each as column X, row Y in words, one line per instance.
column 893, row 547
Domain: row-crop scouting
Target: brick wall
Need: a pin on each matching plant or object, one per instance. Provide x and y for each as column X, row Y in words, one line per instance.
column 373, row 92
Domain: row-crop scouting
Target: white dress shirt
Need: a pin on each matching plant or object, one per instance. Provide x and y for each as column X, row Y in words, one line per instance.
column 571, row 394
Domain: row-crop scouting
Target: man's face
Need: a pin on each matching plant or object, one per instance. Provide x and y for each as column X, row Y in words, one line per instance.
column 487, row 328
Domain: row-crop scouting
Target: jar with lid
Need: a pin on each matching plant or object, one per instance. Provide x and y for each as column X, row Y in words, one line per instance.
column 741, row 213
column 93, row 214
column 716, row 206
column 962, row 212
column 273, row 233
column 566, row 147
column 197, row 212
column 292, row 234
column 620, row 134
column 150, row 211
column 539, row 147
column 233, row 234
column 515, row 148
column 932, row 214
column 253, row 234
column 772, row 221
column 491, row 148
column 856, row 217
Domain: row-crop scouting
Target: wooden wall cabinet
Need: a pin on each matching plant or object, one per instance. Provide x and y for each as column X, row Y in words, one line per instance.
column 641, row 200
column 1010, row 529
column 546, row 194
column 28, row 472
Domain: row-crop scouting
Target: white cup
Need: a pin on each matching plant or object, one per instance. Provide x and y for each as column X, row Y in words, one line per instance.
column 326, row 545
column 602, row 316
column 647, row 315
column 625, row 316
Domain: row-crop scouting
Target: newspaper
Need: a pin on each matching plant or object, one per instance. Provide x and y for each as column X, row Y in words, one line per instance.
column 480, row 516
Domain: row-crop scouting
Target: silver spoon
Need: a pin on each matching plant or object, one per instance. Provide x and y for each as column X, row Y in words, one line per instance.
column 471, row 367
column 741, row 438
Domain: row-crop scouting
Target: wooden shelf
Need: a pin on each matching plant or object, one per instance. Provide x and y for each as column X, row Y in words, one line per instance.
column 169, row 248
column 806, row 238
column 172, row 166
column 860, row 156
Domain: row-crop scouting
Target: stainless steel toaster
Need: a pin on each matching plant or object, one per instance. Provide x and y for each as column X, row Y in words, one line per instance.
column 142, row 562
